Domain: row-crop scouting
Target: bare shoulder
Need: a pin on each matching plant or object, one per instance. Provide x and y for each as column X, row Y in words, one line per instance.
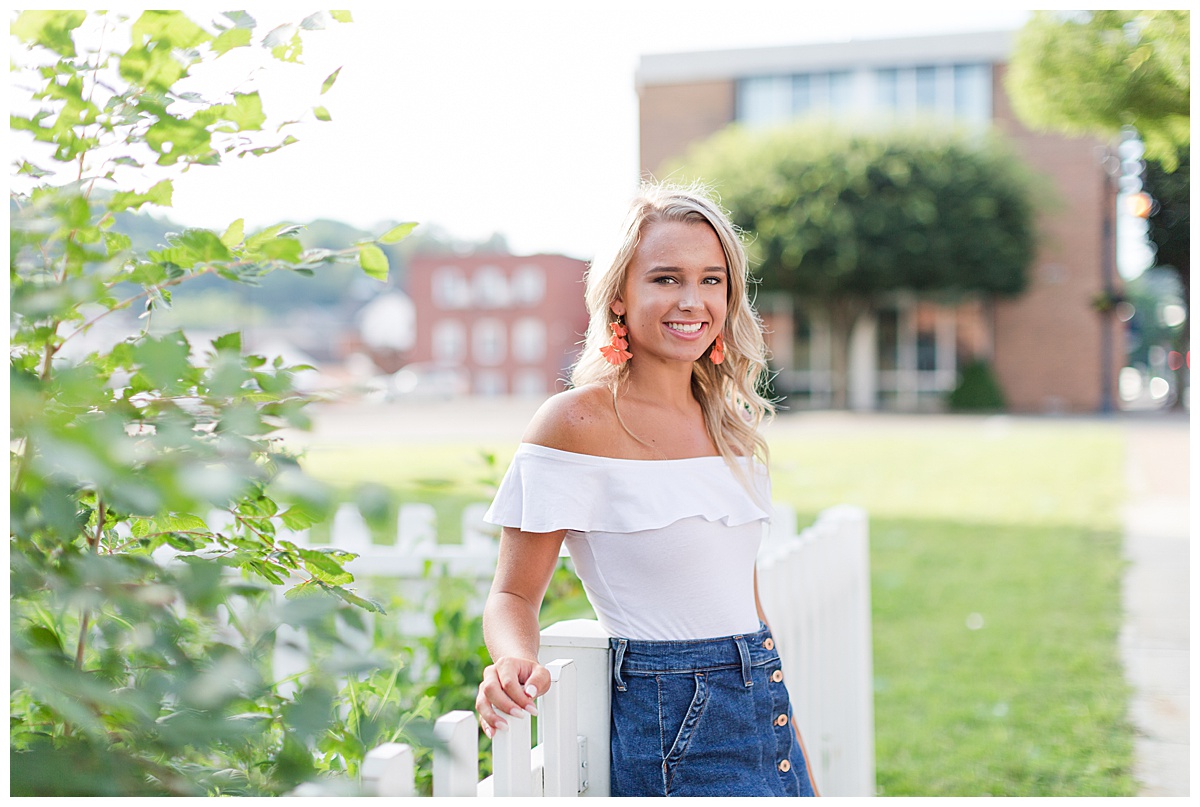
column 580, row 420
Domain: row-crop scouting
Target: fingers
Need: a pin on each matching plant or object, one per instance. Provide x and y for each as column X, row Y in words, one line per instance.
column 489, row 721
column 508, row 689
column 539, row 679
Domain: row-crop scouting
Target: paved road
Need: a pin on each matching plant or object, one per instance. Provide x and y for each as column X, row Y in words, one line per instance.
column 1154, row 641
column 1155, row 638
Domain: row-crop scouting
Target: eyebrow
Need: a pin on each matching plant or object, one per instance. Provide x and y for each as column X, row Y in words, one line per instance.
column 654, row 269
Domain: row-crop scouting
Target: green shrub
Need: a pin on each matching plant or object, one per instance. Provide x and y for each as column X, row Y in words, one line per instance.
column 132, row 673
column 977, row 390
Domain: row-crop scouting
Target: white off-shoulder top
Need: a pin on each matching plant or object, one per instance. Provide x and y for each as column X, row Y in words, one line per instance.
column 665, row 548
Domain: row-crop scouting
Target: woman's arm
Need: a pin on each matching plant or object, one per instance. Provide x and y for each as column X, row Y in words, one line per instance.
column 510, row 626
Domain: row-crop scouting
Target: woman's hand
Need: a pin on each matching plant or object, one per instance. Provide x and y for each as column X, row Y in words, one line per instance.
column 508, row 688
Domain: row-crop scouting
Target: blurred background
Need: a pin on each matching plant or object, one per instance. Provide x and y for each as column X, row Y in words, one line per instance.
column 969, row 229
column 514, row 141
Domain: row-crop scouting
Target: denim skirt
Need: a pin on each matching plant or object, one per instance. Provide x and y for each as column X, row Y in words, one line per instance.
column 705, row 717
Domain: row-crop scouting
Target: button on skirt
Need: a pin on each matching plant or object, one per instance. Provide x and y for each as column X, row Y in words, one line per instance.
column 706, row 717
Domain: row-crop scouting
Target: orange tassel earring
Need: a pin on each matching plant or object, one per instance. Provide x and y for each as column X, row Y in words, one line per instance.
column 718, row 350
column 616, row 352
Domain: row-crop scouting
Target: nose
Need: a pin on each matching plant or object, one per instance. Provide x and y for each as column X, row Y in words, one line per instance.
column 689, row 298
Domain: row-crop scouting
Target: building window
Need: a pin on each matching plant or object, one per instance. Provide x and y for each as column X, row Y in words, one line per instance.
column 973, row 92
column 449, row 341
column 530, row 383
column 925, row 79
column 491, row 288
column 489, row 383
column 487, row 341
column 528, row 285
column 768, row 100
column 529, row 340
column 962, row 91
column 927, row 347
column 887, row 89
column 840, row 92
column 450, row 288
column 887, row 334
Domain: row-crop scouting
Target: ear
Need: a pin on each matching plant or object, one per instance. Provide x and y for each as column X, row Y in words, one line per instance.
column 618, row 308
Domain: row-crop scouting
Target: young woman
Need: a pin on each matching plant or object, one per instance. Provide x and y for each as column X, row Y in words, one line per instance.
column 652, row 470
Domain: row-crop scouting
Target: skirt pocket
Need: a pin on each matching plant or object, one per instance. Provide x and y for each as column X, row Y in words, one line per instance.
column 675, row 728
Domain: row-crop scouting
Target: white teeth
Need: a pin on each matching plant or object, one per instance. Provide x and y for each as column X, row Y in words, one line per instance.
column 675, row 326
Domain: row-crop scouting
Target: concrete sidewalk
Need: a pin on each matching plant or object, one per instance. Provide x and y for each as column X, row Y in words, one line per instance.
column 1154, row 639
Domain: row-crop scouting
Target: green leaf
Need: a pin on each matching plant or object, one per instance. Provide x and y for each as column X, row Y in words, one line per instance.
column 230, row 341
column 33, row 171
column 193, row 247
column 283, row 47
column 297, row 518
column 175, row 138
column 164, row 361
column 282, row 249
column 332, row 77
column 322, row 113
column 116, row 243
column 45, row 638
column 341, row 16
column 397, row 233
column 324, row 567
column 245, row 113
column 365, row 603
column 159, row 194
column 234, row 234
column 228, row 40
column 186, row 522
column 50, row 29
column 172, row 28
column 373, row 261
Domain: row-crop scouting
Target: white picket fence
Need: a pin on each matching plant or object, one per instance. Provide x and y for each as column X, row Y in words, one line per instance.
column 815, row 588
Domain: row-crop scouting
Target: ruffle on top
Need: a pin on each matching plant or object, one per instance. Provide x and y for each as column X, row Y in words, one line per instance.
column 546, row 489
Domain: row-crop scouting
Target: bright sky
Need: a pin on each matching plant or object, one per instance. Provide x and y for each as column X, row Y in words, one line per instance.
column 517, row 116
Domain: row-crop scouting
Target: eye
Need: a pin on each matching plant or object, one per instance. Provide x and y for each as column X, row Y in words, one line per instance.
column 715, row 280
column 664, row 279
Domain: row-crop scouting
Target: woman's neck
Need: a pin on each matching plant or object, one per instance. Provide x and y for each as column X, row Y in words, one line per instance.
column 666, row 386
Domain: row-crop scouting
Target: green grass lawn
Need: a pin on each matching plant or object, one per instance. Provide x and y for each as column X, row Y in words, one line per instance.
column 995, row 589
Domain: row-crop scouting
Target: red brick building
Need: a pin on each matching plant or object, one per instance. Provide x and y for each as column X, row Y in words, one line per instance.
column 1046, row 346
column 512, row 322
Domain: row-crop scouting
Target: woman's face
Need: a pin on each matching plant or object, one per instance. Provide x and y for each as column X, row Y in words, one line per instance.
column 676, row 292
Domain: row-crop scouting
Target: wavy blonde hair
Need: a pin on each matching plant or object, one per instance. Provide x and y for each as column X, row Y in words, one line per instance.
column 728, row 395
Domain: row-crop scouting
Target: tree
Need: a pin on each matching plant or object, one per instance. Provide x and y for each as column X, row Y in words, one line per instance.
column 141, row 475
column 843, row 218
column 1094, row 72
column 1170, row 219
column 1170, row 232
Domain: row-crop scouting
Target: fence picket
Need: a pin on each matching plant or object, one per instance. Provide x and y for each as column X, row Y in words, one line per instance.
column 456, row 760
column 511, row 758
column 559, row 726
column 815, row 588
column 388, row 771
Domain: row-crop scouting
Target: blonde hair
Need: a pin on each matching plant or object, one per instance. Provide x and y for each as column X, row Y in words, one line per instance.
column 733, row 409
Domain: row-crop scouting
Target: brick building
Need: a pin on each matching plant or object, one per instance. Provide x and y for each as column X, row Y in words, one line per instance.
column 513, row 323
column 1047, row 346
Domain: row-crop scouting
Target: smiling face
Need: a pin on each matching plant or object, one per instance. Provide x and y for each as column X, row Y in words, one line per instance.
column 676, row 292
